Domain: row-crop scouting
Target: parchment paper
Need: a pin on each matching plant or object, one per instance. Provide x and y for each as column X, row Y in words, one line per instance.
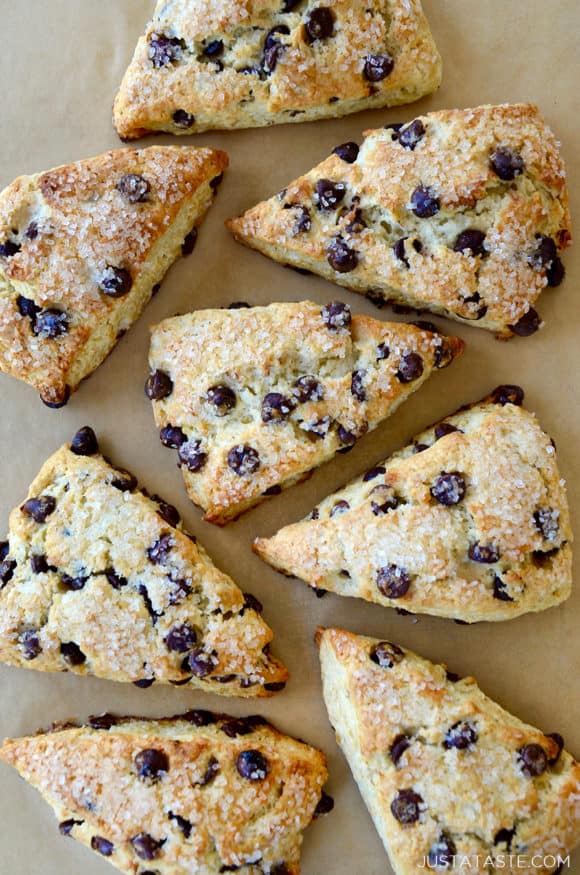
column 61, row 62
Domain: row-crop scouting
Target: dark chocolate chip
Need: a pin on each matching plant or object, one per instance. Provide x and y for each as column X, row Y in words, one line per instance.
column 243, row 460
column 102, row 846
column 356, row 225
column 346, row 437
column 441, row 853
column 444, row 355
column 420, row 448
column 181, row 638
column 341, row 257
column 377, row 67
column 159, row 550
column 189, row 242
column 276, row 489
column 303, row 221
column 325, row 806
column 221, row 398
column 505, row 837
column 276, row 407
column 31, row 232
column 72, row 653
column 449, row 488
column 507, row 164
column 555, row 736
column 50, row 323
column 373, row 473
column 242, row 726
column 508, row 395
column 145, row 846
column 214, row 49
column 528, row 324
column 383, row 352
column 252, row 765
column 386, row 500
column 386, row 654
column 151, row 764
column 461, row 736
column 9, row 248
column 357, row 385
column 239, row 305
column 500, row 590
column 216, row 182
column 74, row 584
column 125, row 482
column 134, row 188
column 399, row 746
column 393, row 581
column 412, row 134
column 275, row 687
column 445, row 428
column 289, row 5
column 39, row 564
column 319, row 24
column 27, row 307
column 329, row 194
column 180, row 590
column 103, row 721
column 347, row 152
column 406, row 806
column 307, row 388
column 66, row 826
column 410, row 367
column 200, row 663
column 164, row 50
column 191, row 456
column 484, row 553
column 556, row 273
column 144, row 683
column 339, row 507
column 172, row 437
column 39, row 508
column 166, row 511
column 424, row 202
column 336, row 316
column 252, row 603
column 85, row 443
column 546, row 520
column 115, row 282
column 183, row 119
column 199, row 717
column 7, row 569
column 470, row 242
column 274, row 48
column 533, row 760
column 184, row 825
column 30, row 643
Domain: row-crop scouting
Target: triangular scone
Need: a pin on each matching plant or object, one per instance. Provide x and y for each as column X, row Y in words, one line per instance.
column 254, row 398
column 198, row 794
column 444, row 771
column 241, row 64
column 470, row 521
column 99, row 579
column 462, row 212
column 82, row 248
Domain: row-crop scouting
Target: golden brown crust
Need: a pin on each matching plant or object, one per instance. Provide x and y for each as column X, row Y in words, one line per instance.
column 106, row 582
column 406, row 725
column 255, row 361
column 198, row 812
column 422, row 261
column 61, row 234
column 239, row 64
column 469, row 521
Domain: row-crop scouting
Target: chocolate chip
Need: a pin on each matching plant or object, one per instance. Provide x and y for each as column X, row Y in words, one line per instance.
column 275, row 687
column 410, row 367
column 125, row 482
column 115, row 282
column 445, row 428
column 283, row 869
column 133, row 188
column 307, row 388
column 557, row 738
column 347, row 152
column 30, row 643
column 444, row 355
column 532, row 760
column 400, row 250
column 303, row 221
column 556, row 273
column 102, row 846
column 73, row 584
column 546, row 520
column 373, row 473
column 325, row 806
column 66, row 826
column 329, row 193
column 356, row 225
column 27, row 307
column 184, row 825
column 243, row 460
column 406, row 806
column 39, row 508
column 461, row 736
column 31, row 232
column 72, row 653
column 441, row 854
column 242, row 726
column 144, row 683
column 222, row 399
column 340, row 256
column 289, row 5
column 9, row 248
column 528, row 324
column 238, row 305
column 505, row 837
column 180, row 590
column 485, row 553
column 50, row 323
column 191, row 456
column 420, row 448
column 377, row 67
column 386, row 654
column 181, row 638
column 319, row 24
column 383, row 352
column 159, row 551
column 470, row 242
column 145, row 846
column 164, row 50
column 198, row 717
column 449, row 488
column 500, row 591
column 151, row 764
column 274, row 48
column 508, row 395
column 393, row 581
column 276, row 407
column 166, row 511
column 213, row 768
column 103, row 721
column 386, row 500
column 214, row 49
column 399, row 746
column 7, row 569
column 172, row 437
column 252, row 765
column 507, row 164
column 346, row 437
column 424, row 202
column 200, row 663
column 412, row 134
column 339, row 507
column 183, row 119
column 39, row 564
column 336, row 316
column 189, row 242
column 85, row 443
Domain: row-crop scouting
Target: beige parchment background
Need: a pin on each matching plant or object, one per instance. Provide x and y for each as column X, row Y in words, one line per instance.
column 60, row 64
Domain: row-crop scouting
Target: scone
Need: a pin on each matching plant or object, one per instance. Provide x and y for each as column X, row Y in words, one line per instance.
column 252, row 399
column 452, row 781
column 470, row 521
column 100, row 579
column 82, row 249
column 197, row 794
column 462, row 212
column 241, row 64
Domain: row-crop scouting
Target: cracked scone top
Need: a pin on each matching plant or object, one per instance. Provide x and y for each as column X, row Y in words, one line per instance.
column 240, row 64
column 82, row 248
column 463, row 212
column 252, row 399
column 199, row 793
column 470, row 521
column 443, row 770
column 99, row 579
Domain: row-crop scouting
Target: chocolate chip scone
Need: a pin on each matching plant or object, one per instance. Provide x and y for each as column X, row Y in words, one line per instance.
column 82, row 248
column 237, row 64
column 197, row 794
column 462, row 212
column 253, row 398
column 451, row 780
column 470, row 521
column 100, row 579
